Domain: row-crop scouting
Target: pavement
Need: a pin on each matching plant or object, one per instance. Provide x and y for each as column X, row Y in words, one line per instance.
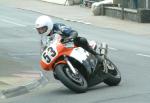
column 17, row 84
column 74, row 13
column 80, row 14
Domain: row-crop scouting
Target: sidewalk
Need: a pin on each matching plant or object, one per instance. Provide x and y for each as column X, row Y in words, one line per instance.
column 17, row 84
column 80, row 14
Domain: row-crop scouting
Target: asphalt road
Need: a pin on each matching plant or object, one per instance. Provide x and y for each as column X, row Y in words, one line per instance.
column 19, row 51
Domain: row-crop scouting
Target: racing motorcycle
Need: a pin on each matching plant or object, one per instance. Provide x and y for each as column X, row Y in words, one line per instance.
column 76, row 68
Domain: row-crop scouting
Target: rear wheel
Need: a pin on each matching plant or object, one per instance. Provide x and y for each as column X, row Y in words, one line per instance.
column 114, row 75
column 75, row 82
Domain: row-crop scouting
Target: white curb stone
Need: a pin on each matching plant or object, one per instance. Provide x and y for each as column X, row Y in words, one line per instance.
column 19, row 90
column 96, row 6
column 62, row 2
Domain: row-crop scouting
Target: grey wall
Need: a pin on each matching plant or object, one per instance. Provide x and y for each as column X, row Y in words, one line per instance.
column 131, row 4
column 140, row 15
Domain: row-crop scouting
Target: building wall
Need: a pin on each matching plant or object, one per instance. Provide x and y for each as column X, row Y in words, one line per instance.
column 132, row 3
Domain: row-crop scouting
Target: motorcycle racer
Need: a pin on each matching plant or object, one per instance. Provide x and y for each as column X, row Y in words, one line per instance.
column 46, row 28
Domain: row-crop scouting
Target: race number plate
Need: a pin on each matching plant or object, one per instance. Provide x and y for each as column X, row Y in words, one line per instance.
column 49, row 54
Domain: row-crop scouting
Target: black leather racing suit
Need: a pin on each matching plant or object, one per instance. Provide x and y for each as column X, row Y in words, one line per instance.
column 67, row 32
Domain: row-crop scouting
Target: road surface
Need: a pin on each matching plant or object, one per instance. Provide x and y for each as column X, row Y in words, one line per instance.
column 19, row 52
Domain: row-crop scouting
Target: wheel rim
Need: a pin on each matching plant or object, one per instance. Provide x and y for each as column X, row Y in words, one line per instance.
column 76, row 78
column 112, row 69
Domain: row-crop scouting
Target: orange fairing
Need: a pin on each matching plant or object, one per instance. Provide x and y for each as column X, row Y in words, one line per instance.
column 60, row 62
column 61, row 50
column 44, row 66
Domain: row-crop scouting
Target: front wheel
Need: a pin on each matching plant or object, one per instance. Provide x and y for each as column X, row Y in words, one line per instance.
column 114, row 75
column 75, row 82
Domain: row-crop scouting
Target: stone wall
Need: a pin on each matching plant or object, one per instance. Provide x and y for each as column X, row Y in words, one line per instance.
column 144, row 15
column 132, row 5
column 140, row 15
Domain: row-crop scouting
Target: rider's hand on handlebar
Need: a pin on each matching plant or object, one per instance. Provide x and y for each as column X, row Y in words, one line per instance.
column 66, row 40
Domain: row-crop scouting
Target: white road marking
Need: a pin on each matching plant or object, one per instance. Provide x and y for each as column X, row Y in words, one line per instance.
column 144, row 55
column 27, row 54
column 14, row 19
column 11, row 22
column 28, row 75
column 112, row 48
column 6, row 17
column 84, row 22
column 13, row 79
column 78, row 21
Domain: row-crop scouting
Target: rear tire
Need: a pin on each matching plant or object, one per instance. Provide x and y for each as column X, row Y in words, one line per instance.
column 114, row 75
column 76, row 83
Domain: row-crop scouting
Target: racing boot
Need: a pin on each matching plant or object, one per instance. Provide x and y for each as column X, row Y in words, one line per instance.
column 100, row 60
column 99, row 57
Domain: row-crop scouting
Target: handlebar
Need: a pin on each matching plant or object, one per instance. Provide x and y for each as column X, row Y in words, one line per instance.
column 68, row 42
column 64, row 41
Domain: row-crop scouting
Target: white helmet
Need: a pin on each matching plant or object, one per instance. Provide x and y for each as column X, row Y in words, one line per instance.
column 44, row 25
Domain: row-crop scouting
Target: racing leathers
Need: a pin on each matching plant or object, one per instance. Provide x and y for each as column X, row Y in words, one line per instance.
column 68, row 33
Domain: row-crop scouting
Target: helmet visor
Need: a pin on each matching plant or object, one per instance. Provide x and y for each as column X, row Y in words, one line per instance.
column 42, row 30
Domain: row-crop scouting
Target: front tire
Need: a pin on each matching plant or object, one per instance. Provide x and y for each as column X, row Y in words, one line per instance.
column 76, row 83
column 114, row 75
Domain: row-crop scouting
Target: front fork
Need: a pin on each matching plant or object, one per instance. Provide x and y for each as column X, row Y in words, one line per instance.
column 103, row 52
column 70, row 65
column 104, row 49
